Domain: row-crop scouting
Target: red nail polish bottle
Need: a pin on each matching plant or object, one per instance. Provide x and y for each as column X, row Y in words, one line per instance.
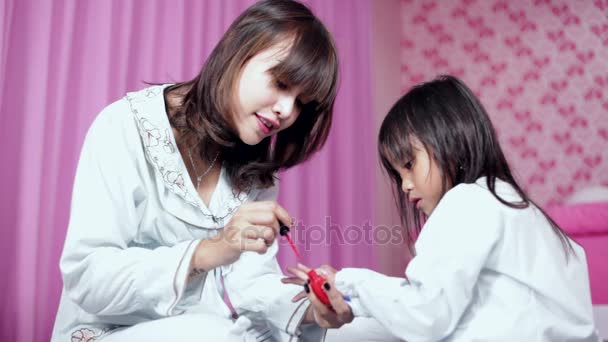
column 316, row 283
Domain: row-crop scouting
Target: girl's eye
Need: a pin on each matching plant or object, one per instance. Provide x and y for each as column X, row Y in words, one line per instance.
column 408, row 165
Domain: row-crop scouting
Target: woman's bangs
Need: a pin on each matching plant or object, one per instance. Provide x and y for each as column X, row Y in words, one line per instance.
column 313, row 68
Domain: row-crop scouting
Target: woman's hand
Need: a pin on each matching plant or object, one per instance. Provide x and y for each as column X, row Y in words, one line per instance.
column 334, row 316
column 253, row 227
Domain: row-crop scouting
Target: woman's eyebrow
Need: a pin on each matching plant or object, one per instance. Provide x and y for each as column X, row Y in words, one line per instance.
column 305, row 99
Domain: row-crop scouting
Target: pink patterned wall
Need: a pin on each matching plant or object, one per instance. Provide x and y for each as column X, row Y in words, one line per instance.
column 540, row 68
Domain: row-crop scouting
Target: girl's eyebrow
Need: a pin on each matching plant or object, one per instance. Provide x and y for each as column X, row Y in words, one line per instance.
column 417, row 146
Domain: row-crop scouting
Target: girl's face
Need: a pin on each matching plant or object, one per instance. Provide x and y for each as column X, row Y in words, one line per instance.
column 421, row 178
column 264, row 105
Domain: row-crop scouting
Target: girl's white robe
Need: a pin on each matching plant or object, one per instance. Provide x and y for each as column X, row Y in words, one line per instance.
column 483, row 272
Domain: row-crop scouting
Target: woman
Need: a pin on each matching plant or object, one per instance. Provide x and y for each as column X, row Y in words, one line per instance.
column 174, row 220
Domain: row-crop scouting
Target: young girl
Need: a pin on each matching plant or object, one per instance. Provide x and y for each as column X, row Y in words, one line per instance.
column 173, row 220
column 489, row 264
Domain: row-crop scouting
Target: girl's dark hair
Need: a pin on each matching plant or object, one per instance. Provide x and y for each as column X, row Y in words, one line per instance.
column 456, row 131
column 203, row 118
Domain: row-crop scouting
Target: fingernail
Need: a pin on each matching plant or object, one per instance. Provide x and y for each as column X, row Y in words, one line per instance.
column 326, row 286
column 306, row 288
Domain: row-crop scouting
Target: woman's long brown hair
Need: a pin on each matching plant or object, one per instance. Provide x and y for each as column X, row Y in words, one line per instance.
column 203, row 118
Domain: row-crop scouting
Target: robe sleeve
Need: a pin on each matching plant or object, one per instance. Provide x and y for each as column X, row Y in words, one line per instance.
column 102, row 271
column 452, row 249
column 255, row 287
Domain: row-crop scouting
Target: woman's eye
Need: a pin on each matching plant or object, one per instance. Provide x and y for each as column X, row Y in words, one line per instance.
column 282, row 85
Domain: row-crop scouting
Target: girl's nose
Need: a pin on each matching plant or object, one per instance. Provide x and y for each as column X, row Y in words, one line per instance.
column 406, row 185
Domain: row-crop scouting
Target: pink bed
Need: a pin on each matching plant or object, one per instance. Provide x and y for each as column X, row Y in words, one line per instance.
column 587, row 224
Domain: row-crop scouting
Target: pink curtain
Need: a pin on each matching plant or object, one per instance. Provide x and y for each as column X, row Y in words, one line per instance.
column 62, row 61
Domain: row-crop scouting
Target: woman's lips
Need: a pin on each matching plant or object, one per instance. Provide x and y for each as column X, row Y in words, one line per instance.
column 263, row 121
column 263, row 127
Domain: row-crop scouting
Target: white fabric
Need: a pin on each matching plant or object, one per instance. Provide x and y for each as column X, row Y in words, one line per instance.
column 184, row 328
column 600, row 314
column 134, row 224
column 361, row 329
column 590, row 194
column 483, row 272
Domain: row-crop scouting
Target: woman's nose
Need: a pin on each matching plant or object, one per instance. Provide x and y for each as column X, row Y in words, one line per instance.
column 285, row 106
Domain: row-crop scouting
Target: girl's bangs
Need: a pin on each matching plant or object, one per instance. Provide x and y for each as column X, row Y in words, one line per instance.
column 395, row 146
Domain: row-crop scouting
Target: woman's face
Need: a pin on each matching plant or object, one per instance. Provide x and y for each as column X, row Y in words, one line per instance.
column 264, row 105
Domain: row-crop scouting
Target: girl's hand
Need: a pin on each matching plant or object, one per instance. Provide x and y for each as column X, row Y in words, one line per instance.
column 253, row 227
column 335, row 316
